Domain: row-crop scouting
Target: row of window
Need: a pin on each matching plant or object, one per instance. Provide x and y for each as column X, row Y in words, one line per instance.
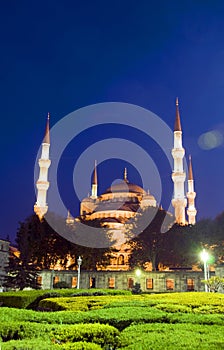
column 117, row 261
column 170, row 283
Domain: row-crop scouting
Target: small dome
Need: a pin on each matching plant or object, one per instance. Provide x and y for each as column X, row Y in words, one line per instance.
column 87, row 199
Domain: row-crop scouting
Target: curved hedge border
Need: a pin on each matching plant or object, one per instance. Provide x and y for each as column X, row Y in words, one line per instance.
column 96, row 333
column 30, row 299
column 34, row 344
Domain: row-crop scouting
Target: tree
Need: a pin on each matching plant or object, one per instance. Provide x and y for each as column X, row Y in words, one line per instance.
column 20, row 274
column 214, row 283
column 149, row 244
column 40, row 245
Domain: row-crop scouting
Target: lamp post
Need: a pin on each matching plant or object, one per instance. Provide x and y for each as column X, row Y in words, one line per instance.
column 204, row 258
column 79, row 261
column 52, row 279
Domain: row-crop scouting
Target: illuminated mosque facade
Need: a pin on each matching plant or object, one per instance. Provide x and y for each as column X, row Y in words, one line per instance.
column 121, row 201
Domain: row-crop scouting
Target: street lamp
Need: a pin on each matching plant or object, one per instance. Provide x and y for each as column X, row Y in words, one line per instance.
column 79, row 261
column 204, row 258
column 52, row 279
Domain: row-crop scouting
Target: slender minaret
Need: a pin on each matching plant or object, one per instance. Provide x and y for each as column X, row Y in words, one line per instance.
column 70, row 220
column 179, row 201
column 191, row 194
column 94, row 183
column 42, row 184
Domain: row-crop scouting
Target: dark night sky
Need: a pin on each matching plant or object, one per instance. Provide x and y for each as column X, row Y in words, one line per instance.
column 59, row 56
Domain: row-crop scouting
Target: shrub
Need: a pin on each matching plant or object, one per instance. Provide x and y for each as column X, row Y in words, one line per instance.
column 35, row 304
column 82, row 345
column 61, row 285
column 136, row 289
column 34, row 344
column 95, row 333
column 83, row 303
column 23, row 299
column 172, row 337
column 28, row 344
column 23, row 330
column 98, row 292
column 29, row 299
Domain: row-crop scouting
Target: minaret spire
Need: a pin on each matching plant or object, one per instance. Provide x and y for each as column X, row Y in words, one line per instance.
column 42, row 183
column 177, row 126
column 190, row 171
column 94, row 182
column 125, row 175
column 191, row 194
column 47, row 130
column 179, row 201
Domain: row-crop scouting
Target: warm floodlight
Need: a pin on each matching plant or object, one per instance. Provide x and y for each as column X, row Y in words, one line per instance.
column 138, row 272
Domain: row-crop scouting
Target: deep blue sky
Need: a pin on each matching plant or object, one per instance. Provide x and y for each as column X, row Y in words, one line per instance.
column 59, row 56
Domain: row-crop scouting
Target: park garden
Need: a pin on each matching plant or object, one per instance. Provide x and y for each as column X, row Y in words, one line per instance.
column 110, row 319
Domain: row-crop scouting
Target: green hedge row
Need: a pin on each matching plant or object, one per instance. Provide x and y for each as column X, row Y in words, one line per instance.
column 34, row 344
column 96, row 333
column 172, row 337
column 30, row 299
column 82, row 303
column 117, row 316
column 193, row 299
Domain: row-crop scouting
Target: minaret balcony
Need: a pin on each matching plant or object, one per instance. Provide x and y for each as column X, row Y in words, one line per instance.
column 178, row 177
column 44, row 163
column 178, row 153
column 42, row 185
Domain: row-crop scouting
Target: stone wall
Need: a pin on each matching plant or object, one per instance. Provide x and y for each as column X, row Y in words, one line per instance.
column 4, row 258
column 166, row 281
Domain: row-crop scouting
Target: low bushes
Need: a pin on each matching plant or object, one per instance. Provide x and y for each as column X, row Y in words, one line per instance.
column 192, row 299
column 75, row 304
column 141, row 322
column 28, row 344
column 172, row 337
column 98, row 292
column 34, row 344
column 30, row 299
column 96, row 333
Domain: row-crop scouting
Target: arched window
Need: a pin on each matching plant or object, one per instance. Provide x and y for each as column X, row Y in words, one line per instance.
column 120, row 260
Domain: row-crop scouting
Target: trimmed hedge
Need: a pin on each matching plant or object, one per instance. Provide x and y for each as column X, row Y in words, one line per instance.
column 34, row 344
column 155, row 322
column 29, row 344
column 172, row 337
column 96, row 333
column 31, row 298
column 75, row 304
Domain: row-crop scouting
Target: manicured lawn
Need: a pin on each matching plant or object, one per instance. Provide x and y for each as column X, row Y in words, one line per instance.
column 142, row 322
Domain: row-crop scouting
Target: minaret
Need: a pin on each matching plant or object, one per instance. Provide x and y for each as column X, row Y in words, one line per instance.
column 191, row 194
column 94, row 183
column 42, row 184
column 70, row 220
column 179, row 201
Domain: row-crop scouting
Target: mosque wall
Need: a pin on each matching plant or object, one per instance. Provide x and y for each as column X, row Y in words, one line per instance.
column 154, row 282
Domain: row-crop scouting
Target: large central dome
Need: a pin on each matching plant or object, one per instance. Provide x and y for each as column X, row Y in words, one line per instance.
column 125, row 187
